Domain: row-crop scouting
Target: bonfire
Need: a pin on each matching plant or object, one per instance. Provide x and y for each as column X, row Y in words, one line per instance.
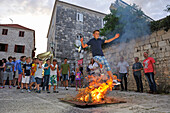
column 95, row 93
column 97, row 89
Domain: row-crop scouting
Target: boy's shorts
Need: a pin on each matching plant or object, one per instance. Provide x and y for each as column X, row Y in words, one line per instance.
column 65, row 77
column 53, row 80
column 38, row 80
column 58, row 78
column 32, row 79
column 26, row 79
column 20, row 77
column 16, row 74
column 8, row 74
column 102, row 60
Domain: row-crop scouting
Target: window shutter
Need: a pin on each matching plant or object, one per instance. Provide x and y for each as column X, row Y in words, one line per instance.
column 15, row 49
column 23, row 34
column 81, row 17
column 23, row 49
column 6, row 47
column 77, row 17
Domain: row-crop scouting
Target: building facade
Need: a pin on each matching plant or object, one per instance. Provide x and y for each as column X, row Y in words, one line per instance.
column 16, row 41
column 68, row 23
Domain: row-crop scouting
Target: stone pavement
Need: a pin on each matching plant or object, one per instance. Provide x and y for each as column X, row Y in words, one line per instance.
column 12, row 101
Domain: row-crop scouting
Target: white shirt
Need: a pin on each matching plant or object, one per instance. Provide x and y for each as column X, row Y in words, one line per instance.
column 53, row 72
column 123, row 67
column 39, row 71
column 93, row 66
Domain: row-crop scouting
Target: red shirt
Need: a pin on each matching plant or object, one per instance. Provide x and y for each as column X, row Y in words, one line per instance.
column 148, row 65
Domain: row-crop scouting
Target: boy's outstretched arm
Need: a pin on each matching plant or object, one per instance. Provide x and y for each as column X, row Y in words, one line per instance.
column 116, row 36
column 83, row 45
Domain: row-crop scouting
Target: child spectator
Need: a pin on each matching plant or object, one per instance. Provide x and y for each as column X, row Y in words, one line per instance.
column 33, row 70
column 15, row 71
column 26, row 74
column 46, row 74
column 8, row 71
column 78, row 78
column 38, row 75
column 2, row 71
column 72, row 77
column 54, row 71
column 19, row 64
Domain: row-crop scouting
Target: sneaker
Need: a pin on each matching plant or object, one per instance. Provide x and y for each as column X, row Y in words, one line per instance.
column 10, row 87
column 38, row 91
column 22, row 91
column 55, row 91
column 2, row 87
column 116, row 82
column 18, row 87
column 28, row 91
column 48, row 92
column 66, row 88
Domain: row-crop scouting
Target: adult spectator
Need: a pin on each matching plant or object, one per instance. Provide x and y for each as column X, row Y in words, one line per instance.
column 137, row 67
column 123, row 69
column 65, row 68
column 149, row 69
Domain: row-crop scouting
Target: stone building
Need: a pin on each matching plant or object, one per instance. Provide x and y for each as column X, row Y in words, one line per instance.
column 68, row 22
column 16, row 41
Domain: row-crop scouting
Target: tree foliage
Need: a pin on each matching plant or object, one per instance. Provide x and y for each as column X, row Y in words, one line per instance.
column 129, row 21
column 167, row 8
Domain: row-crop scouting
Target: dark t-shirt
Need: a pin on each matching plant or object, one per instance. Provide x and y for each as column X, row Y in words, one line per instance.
column 27, row 69
column 9, row 66
column 137, row 65
column 81, row 69
column 96, row 46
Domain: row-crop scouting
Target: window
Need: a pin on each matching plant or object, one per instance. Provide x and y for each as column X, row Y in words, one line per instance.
column 103, row 23
column 4, row 31
column 19, row 49
column 21, row 33
column 79, row 17
column 3, row 47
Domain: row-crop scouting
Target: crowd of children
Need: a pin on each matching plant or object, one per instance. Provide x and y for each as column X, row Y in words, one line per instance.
column 30, row 74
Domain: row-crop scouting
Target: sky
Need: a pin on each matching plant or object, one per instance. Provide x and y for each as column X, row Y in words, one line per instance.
column 36, row 14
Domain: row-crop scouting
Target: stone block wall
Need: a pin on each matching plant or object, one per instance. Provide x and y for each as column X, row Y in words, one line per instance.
column 158, row 46
column 12, row 39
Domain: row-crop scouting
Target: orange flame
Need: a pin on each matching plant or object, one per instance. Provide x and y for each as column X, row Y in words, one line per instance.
column 97, row 90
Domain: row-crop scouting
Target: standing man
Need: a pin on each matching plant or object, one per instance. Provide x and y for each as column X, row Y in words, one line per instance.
column 65, row 68
column 149, row 69
column 123, row 69
column 137, row 67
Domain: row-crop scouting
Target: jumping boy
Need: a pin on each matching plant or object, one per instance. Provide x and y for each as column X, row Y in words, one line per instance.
column 98, row 56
